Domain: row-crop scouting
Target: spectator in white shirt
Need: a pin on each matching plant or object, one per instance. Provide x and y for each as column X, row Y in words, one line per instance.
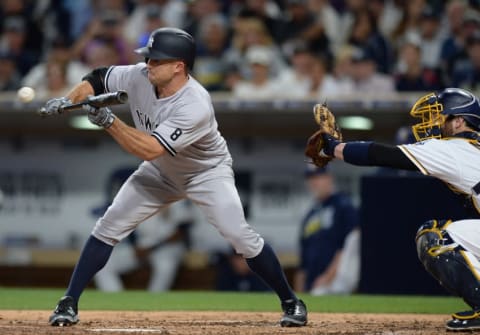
column 294, row 81
column 366, row 78
column 260, row 85
column 322, row 84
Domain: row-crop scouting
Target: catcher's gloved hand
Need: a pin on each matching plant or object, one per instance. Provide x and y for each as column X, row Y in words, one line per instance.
column 52, row 106
column 102, row 117
column 321, row 145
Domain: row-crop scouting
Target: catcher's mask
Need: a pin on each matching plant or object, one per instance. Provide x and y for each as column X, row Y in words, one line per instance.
column 434, row 109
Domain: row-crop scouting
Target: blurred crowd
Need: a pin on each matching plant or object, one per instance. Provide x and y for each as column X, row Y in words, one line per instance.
column 251, row 48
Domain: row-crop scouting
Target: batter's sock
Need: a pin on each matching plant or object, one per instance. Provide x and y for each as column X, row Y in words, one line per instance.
column 267, row 267
column 94, row 256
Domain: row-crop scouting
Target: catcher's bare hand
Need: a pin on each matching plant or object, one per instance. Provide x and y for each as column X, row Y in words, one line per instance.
column 321, row 145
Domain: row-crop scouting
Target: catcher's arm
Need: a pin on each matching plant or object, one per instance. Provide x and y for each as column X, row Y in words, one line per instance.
column 373, row 154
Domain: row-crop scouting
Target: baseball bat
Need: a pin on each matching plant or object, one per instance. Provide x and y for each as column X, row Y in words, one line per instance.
column 98, row 101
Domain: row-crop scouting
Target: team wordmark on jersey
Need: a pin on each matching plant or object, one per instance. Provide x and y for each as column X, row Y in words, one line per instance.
column 145, row 120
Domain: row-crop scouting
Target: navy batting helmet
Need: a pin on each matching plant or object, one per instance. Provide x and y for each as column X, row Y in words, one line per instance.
column 170, row 43
column 434, row 108
column 460, row 102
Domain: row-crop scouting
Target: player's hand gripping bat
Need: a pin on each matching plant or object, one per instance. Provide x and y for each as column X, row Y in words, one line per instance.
column 60, row 105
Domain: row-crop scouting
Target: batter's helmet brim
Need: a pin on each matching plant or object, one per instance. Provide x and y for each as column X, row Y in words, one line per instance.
column 152, row 54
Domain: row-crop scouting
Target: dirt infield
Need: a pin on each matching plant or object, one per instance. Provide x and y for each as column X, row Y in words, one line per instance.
column 220, row 323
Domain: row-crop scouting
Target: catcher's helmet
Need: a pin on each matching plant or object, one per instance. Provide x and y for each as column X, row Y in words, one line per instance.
column 170, row 43
column 434, row 108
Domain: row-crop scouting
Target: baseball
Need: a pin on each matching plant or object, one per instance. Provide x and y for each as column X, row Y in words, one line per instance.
column 26, row 94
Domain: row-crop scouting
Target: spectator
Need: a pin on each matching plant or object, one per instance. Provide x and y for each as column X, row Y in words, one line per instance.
column 323, row 85
column 453, row 46
column 387, row 14
column 327, row 17
column 411, row 19
column 80, row 14
column 365, row 35
column 366, row 79
column 431, row 38
column 197, row 11
column 106, row 30
column 24, row 10
column 347, row 17
column 56, row 84
column 100, row 55
column 302, row 25
column 212, row 42
column 158, row 243
column 249, row 32
column 59, row 51
column 470, row 26
column 294, row 81
column 342, row 68
column 267, row 11
column 13, row 40
column 260, row 86
column 468, row 77
column 329, row 239
column 9, row 76
column 171, row 13
column 152, row 21
column 410, row 74
column 54, row 18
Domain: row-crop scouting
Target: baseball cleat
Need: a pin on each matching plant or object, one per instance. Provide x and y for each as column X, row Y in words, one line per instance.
column 461, row 321
column 295, row 313
column 65, row 314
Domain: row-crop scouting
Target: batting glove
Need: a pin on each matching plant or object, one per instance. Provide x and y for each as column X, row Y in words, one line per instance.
column 329, row 145
column 53, row 106
column 102, row 117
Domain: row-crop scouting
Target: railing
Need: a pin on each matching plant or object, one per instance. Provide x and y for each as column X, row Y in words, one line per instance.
column 278, row 117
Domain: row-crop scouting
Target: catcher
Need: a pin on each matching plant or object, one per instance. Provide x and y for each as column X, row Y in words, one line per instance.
column 448, row 148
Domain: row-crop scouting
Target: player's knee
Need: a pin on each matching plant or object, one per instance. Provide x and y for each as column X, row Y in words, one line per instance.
column 427, row 239
column 106, row 233
column 435, row 248
column 249, row 247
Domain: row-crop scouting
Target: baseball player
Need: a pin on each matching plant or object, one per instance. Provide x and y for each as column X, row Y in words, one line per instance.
column 184, row 156
column 448, row 148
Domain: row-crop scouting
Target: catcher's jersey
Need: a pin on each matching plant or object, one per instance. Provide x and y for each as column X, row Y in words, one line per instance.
column 183, row 123
column 455, row 161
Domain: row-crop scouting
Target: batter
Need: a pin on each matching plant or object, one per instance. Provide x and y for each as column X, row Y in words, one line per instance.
column 184, row 156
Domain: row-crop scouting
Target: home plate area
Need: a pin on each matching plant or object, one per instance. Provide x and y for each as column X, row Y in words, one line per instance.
column 220, row 323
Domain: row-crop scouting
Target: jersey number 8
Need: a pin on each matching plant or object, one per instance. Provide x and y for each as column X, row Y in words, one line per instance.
column 176, row 134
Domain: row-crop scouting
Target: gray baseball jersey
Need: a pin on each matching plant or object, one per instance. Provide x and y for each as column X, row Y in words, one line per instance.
column 197, row 165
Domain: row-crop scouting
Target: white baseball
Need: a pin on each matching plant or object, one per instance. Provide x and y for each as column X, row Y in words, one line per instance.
column 26, row 94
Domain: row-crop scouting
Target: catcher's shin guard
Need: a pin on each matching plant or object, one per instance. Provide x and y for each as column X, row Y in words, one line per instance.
column 448, row 262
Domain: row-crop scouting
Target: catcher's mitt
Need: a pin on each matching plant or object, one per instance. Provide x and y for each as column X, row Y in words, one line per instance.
column 316, row 143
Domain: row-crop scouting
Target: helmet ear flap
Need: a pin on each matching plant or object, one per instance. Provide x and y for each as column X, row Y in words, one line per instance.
column 146, row 60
